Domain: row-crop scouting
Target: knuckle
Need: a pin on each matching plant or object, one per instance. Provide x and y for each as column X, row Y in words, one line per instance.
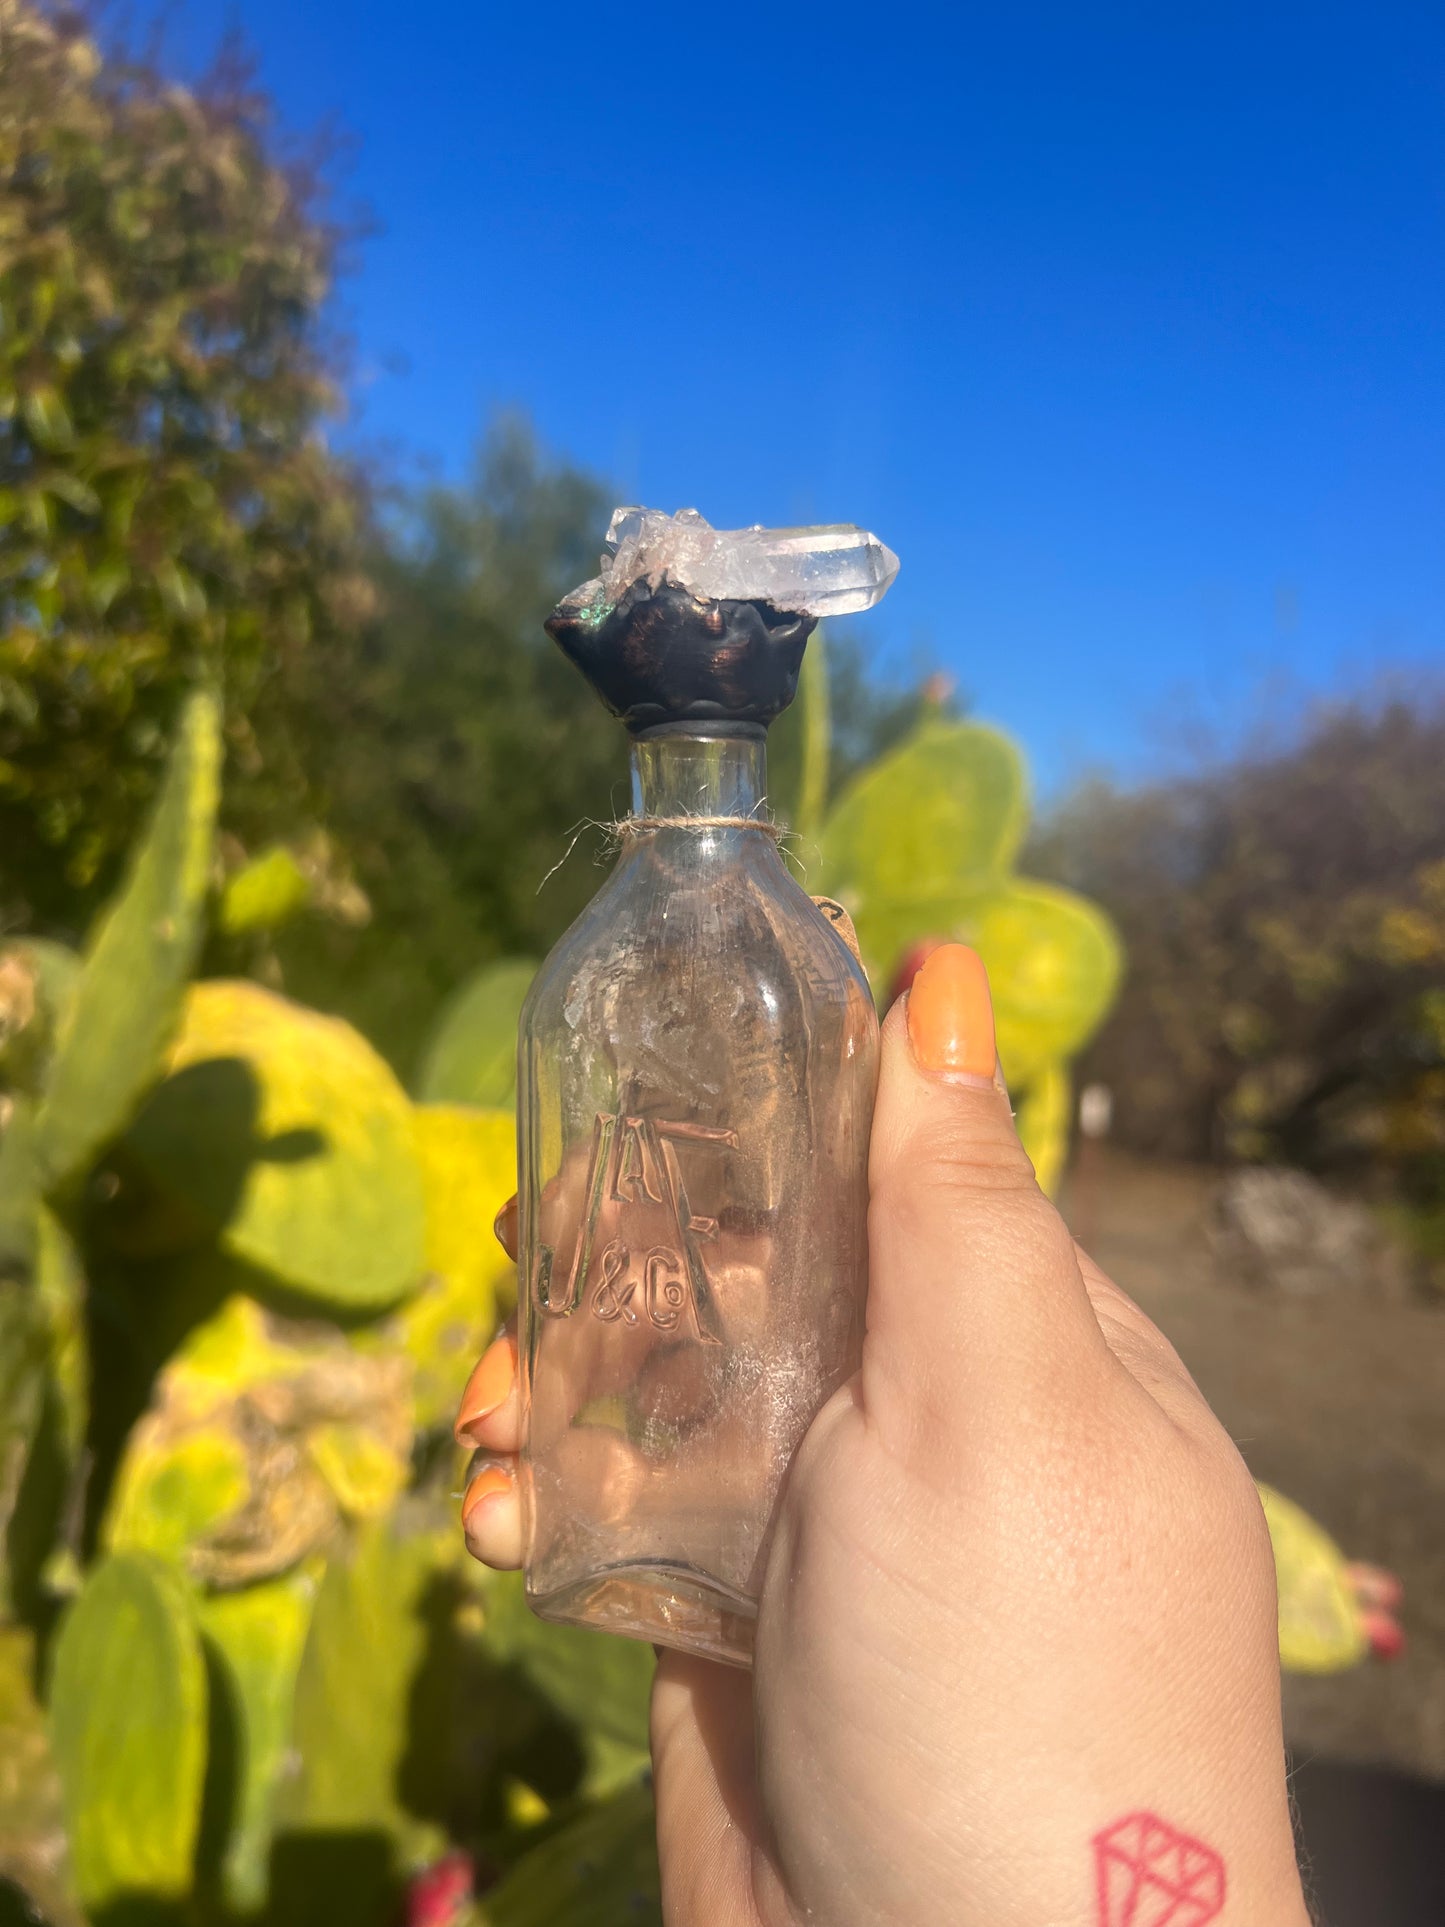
column 949, row 1158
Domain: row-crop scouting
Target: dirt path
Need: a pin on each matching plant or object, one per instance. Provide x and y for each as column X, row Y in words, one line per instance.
column 1338, row 1400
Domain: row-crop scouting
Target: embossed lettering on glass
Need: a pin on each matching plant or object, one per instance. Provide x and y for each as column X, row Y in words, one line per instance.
column 696, row 1071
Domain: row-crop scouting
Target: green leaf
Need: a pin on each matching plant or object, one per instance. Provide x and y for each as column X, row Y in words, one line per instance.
column 947, row 807
column 136, row 963
column 128, row 1730
column 266, row 893
column 472, row 1058
column 259, row 1634
column 284, row 1133
column 600, row 1684
column 1319, row 1624
column 46, row 417
column 600, row 1867
column 71, row 489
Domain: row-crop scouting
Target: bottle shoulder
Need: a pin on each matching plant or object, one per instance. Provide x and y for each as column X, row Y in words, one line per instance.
column 673, row 920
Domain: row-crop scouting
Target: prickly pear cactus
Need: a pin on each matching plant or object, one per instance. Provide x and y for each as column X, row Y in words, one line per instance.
column 351, row 1722
column 1320, row 1629
column 282, row 1134
column 128, row 1731
column 257, row 1636
column 472, row 1058
column 127, row 998
column 261, row 1439
column 920, row 849
column 945, row 808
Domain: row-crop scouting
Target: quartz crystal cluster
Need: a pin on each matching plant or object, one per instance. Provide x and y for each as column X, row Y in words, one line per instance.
column 837, row 570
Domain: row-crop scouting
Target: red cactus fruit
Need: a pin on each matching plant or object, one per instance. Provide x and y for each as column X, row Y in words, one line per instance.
column 441, row 1893
column 1384, row 1632
column 1374, row 1585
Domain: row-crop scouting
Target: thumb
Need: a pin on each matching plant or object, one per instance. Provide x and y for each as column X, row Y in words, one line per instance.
column 975, row 1298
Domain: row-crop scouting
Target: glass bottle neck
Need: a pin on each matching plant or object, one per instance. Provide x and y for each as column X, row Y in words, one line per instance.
column 699, row 776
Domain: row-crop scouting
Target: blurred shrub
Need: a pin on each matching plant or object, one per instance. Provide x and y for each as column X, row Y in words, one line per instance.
column 169, row 509
column 1284, row 919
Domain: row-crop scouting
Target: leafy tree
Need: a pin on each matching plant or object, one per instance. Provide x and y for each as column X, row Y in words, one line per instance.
column 169, row 510
column 1284, row 921
column 459, row 750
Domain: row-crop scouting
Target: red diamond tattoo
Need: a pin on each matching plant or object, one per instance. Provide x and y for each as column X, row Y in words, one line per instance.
column 1151, row 1875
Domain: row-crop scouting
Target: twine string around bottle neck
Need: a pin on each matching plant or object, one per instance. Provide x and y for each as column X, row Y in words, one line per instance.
column 630, row 826
column 617, row 834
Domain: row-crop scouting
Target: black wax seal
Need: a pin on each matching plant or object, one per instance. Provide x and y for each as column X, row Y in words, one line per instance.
column 662, row 658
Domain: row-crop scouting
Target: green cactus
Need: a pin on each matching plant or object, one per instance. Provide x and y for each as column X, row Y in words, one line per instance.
column 282, row 1133
column 1319, row 1619
column 600, row 1867
column 257, row 1635
column 1044, row 1114
column 37, row 987
column 127, row 998
column 948, row 807
column 260, row 1439
column 264, row 894
column 128, row 1731
column 350, row 1727
column 920, row 848
column 472, row 1056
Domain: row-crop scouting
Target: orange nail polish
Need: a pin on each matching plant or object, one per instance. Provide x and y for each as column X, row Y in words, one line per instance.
column 490, row 1383
column 490, row 1483
column 950, row 1014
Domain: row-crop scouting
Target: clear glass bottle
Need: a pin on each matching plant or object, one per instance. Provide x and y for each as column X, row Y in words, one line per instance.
column 696, row 1073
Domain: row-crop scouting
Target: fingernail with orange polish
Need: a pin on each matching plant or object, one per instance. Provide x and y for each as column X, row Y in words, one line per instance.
column 950, row 1015
column 490, row 1483
column 489, row 1385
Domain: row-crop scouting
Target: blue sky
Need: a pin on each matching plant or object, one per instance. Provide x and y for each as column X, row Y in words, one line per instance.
column 1124, row 326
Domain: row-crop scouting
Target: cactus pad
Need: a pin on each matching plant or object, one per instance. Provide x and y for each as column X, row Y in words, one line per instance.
column 286, row 1135
column 124, row 1006
column 128, row 1730
column 472, row 1057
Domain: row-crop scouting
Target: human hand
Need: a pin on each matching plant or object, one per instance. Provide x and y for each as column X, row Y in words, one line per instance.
column 1016, row 1651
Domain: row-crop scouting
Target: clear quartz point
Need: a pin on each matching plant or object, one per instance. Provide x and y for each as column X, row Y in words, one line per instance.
column 836, row 570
